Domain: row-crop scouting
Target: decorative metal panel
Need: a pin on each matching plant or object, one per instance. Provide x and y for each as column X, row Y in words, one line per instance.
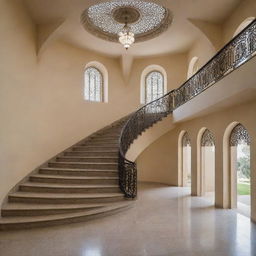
column 239, row 135
column 207, row 139
column 186, row 140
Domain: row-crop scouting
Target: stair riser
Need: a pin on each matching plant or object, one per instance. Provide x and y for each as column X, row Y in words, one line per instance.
column 104, row 140
column 68, row 190
column 75, row 181
column 63, row 200
column 85, row 166
column 68, row 220
column 93, row 144
column 41, row 212
column 80, row 173
column 84, row 160
column 94, row 148
column 96, row 154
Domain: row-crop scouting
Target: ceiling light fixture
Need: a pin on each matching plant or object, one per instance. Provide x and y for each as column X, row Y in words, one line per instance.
column 126, row 37
column 126, row 21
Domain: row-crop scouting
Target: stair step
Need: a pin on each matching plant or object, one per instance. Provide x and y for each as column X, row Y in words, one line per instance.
column 70, row 188
column 75, row 165
column 23, row 209
column 95, row 148
column 73, row 179
column 100, row 144
column 92, row 153
column 8, row 223
column 91, row 159
column 106, row 140
column 78, row 172
column 54, row 198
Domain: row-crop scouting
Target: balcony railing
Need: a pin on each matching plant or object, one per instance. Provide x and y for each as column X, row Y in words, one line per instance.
column 239, row 50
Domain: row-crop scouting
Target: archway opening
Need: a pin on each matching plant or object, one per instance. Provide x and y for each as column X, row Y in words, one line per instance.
column 240, row 170
column 207, row 177
column 186, row 161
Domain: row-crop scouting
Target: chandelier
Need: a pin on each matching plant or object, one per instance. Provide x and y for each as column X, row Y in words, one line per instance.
column 126, row 37
column 126, row 21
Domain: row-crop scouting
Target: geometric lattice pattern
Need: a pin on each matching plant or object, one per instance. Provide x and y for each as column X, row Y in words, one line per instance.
column 93, row 84
column 239, row 135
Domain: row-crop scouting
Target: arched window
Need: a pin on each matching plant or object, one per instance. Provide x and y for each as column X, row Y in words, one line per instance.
column 153, row 83
column 154, row 86
column 93, row 84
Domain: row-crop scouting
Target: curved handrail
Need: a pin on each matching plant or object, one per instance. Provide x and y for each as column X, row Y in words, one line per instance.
column 234, row 54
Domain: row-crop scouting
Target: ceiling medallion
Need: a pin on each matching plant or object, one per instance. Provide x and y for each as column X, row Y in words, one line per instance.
column 126, row 21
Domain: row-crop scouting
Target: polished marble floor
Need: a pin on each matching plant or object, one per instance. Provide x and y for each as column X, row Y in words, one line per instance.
column 165, row 221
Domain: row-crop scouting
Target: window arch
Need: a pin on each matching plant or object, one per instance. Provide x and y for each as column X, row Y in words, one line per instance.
column 153, row 83
column 154, row 86
column 95, row 82
column 243, row 25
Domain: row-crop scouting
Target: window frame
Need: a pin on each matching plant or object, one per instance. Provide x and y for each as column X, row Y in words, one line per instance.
column 146, row 85
column 101, row 85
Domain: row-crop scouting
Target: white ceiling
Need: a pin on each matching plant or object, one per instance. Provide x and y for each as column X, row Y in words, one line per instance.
column 178, row 38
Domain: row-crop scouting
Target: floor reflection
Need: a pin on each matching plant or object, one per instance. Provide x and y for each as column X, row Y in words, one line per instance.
column 165, row 221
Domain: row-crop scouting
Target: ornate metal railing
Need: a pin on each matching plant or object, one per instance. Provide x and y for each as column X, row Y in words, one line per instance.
column 239, row 50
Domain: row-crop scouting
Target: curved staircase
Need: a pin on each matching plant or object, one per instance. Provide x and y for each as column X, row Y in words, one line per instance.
column 79, row 184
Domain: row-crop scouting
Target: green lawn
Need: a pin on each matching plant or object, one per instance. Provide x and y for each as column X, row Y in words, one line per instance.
column 243, row 189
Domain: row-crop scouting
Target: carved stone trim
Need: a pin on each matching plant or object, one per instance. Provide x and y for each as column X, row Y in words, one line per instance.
column 208, row 139
column 186, row 140
column 239, row 135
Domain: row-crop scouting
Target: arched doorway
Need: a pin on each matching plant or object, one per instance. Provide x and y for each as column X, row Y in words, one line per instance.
column 186, row 161
column 240, row 174
column 207, row 164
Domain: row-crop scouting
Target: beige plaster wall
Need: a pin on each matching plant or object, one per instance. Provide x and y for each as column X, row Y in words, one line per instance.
column 159, row 162
column 247, row 8
column 42, row 106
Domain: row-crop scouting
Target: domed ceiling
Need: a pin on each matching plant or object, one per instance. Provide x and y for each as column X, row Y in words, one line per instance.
column 63, row 19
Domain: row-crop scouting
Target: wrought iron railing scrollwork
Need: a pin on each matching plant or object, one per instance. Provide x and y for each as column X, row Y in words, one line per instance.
column 239, row 50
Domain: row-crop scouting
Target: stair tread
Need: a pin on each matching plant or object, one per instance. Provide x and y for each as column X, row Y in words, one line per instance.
column 50, row 185
column 21, row 206
column 89, row 157
column 54, row 162
column 64, row 195
column 90, row 151
column 77, row 170
column 29, row 219
column 74, row 177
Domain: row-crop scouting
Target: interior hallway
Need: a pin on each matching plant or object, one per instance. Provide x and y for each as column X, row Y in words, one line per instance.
column 164, row 221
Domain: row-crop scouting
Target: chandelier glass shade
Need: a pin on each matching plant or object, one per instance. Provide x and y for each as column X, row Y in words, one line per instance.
column 126, row 37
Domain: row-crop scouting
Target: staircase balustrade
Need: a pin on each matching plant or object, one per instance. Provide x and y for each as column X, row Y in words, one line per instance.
column 234, row 54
